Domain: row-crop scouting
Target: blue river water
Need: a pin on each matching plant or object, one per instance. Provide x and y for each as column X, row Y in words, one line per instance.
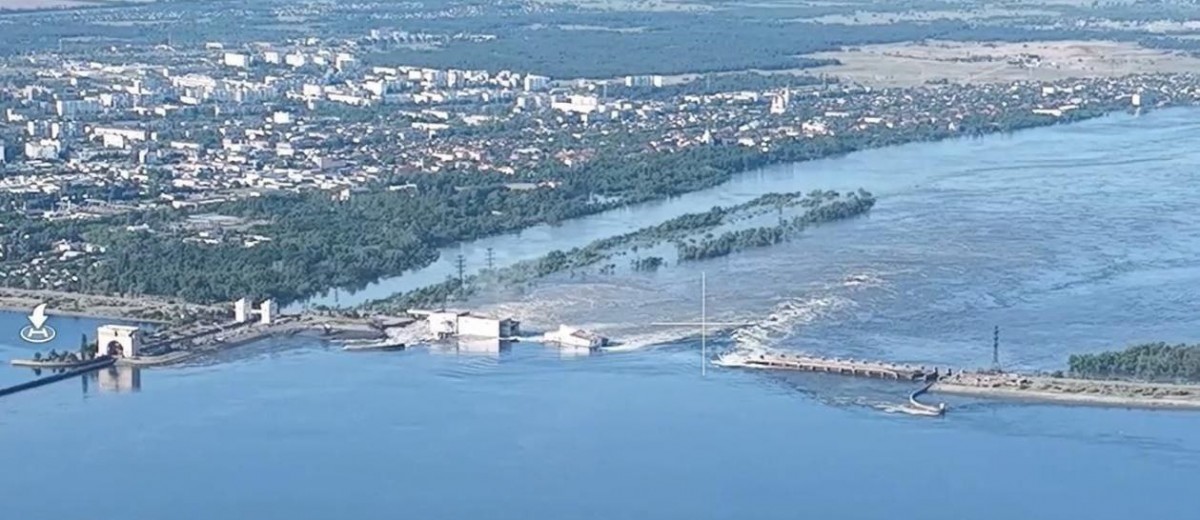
column 1074, row 238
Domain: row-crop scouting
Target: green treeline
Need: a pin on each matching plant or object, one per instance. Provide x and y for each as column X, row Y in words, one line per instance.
column 1149, row 362
column 823, row 207
column 318, row 243
column 649, row 263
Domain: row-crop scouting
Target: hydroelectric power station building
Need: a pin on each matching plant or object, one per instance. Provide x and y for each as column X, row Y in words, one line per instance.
column 446, row 324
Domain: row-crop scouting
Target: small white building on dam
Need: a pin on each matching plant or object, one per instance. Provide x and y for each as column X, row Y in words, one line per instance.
column 568, row 336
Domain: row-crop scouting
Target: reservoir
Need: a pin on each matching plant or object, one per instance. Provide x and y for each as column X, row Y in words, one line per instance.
column 1071, row 238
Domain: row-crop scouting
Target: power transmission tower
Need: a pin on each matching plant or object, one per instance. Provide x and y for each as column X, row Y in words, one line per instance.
column 491, row 259
column 996, row 348
column 460, row 263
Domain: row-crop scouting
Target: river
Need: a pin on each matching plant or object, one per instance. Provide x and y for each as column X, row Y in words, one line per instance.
column 1071, row 238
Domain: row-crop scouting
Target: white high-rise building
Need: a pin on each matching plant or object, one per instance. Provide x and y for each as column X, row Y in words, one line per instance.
column 779, row 102
column 535, row 83
column 76, row 107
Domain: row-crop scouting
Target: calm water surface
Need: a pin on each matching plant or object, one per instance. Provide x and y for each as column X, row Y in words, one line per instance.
column 1072, row 238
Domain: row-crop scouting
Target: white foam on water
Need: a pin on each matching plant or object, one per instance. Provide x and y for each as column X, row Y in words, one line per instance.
column 789, row 317
column 633, row 311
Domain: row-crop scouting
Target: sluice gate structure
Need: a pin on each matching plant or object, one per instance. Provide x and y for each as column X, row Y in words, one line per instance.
column 847, row 367
column 872, row 369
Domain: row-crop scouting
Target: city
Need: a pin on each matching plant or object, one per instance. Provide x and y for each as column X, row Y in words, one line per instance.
column 171, row 143
column 705, row 259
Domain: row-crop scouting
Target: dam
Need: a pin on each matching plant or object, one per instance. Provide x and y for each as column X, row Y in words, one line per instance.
column 994, row 384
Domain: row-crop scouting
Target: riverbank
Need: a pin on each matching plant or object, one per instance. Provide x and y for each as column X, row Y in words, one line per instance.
column 144, row 309
column 1124, row 394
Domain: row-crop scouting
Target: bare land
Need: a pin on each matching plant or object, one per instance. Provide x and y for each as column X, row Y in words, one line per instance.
column 914, row 63
column 22, row 5
column 148, row 309
column 887, row 18
column 1076, row 391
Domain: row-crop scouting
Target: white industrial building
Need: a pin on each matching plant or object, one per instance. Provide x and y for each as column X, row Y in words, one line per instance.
column 267, row 311
column 572, row 337
column 644, row 81
column 127, row 134
column 233, row 59
column 295, row 59
column 577, row 104
column 118, row 341
column 44, row 150
column 446, row 324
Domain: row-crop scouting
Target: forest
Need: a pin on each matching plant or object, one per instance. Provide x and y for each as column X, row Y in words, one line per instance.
column 1158, row 362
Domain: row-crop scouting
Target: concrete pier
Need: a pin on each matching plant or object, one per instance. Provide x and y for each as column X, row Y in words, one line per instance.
column 81, row 369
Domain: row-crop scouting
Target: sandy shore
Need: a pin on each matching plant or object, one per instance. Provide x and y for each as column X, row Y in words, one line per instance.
column 1073, row 391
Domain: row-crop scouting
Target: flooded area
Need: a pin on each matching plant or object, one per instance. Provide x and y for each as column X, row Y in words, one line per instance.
column 1072, row 239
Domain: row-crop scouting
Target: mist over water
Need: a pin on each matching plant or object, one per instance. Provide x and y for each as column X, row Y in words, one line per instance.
column 1073, row 238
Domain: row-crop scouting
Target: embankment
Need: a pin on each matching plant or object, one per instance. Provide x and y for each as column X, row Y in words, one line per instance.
column 1125, row 394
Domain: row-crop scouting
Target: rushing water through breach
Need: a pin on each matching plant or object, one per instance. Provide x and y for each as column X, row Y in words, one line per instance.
column 1073, row 238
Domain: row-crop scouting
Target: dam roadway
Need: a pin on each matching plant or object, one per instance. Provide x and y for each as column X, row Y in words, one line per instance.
column 985, row 384
column 873, row 369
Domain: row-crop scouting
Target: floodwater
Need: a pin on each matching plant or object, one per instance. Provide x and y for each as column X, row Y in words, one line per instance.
column 1073, row 238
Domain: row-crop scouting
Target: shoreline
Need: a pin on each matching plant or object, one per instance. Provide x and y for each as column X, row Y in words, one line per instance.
column 141, row 309
column 4, row 307
column 1081, row 399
